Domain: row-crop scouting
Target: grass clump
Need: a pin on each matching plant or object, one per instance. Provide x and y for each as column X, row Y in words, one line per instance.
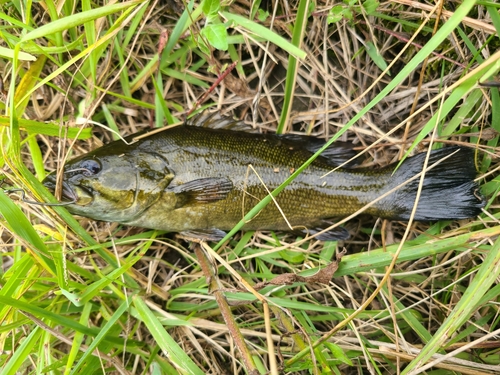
column 83, row 297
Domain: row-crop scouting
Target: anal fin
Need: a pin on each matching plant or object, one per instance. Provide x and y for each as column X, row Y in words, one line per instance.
column 203, row 235
column 335, row 234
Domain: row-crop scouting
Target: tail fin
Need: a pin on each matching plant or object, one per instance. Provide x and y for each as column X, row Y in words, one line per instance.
column 449, row 190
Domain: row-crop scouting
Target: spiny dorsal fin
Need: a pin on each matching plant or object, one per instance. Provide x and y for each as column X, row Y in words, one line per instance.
column 214, row 120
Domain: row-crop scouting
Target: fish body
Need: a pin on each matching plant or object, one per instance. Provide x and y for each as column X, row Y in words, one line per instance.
column 195, row 179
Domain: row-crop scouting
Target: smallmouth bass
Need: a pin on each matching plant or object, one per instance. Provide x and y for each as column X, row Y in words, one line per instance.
column 197, row 181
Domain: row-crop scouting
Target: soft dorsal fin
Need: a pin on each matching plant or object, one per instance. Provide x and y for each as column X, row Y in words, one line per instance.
column 336, row 154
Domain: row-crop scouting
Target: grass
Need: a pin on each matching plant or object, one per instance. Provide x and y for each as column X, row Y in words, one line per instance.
column 84, row 297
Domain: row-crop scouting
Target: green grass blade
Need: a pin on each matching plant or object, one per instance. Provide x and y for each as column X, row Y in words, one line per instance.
column 486, row 275
column 185, row 21
column 103, row 331
column 65, row 23
column 78, row 339
column 42, row 313
column 265, row 34
column 173, row 351
column 47, row 128
column 410, row 317
column 22, row 227
column 378, row 59
column 8, row 53
column 91, row 291
column 450, row 104
column 22, row 353
column 363, row 262
column 293, row 62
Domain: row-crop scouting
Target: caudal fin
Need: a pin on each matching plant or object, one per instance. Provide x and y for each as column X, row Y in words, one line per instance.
column 449, row 190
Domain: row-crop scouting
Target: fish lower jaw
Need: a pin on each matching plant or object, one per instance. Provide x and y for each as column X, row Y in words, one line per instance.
column 81, row 196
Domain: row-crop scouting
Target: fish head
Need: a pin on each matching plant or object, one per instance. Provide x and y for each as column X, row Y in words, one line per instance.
column 110, row 185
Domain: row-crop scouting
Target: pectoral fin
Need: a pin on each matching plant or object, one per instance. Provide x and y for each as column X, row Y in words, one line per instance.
column 203, row 190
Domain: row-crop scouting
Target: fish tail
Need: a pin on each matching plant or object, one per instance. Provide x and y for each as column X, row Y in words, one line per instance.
column 448, row 191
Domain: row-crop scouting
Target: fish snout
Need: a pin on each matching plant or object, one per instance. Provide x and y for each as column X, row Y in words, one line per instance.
column 68, row 192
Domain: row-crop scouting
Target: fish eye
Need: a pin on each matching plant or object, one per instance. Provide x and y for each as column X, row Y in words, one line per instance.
column 91, row 167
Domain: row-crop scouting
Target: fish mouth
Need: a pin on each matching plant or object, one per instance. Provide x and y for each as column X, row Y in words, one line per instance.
column 70, row 193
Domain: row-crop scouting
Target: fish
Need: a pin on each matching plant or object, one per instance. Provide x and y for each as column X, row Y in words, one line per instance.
column 200, row 182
